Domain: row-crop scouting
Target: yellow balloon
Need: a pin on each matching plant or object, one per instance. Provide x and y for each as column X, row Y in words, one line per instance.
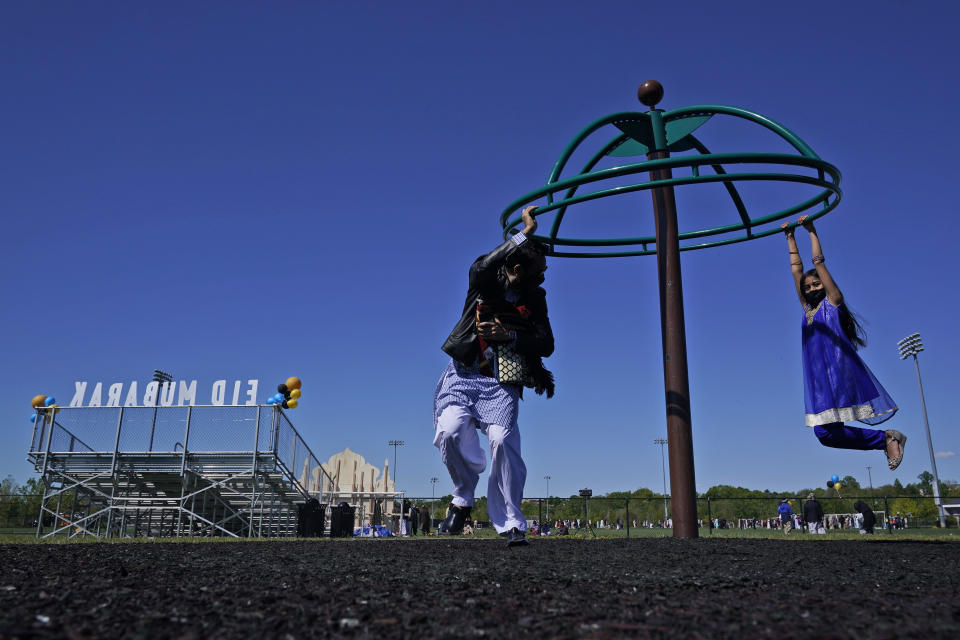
column 295, row 393
column 838, row 485
column 293, row 383
column 38, row 401
column 292, row 403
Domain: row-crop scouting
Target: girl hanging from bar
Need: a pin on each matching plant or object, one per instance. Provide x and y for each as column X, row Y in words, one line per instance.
column 838, row 386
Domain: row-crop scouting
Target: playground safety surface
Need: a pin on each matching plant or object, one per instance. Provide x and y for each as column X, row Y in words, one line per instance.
column 463, row 588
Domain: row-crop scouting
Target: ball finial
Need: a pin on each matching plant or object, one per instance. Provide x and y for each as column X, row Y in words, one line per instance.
column 650, row 93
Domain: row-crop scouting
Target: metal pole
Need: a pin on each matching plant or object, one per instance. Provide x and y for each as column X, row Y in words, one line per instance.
column 153, row 423
column 870, row 476
column 116, row 446
column 547, row 478
column 663, row 470
column 253, row 476
column 933, row 459
column 160, row 377
column 672, row 329
column 395, row 444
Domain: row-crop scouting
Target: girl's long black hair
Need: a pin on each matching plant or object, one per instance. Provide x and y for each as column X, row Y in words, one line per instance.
column 848, row 321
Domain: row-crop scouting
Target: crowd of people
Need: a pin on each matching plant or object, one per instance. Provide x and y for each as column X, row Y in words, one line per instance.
column 813, row 520
column 417, row 518
column 414, row 517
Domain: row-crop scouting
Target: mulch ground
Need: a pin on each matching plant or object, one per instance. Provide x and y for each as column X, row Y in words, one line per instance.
column 463, row 588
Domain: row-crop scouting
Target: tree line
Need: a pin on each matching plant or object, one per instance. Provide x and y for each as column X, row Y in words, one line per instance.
column 20, row 504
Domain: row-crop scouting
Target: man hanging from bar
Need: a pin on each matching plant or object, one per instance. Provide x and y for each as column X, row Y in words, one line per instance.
column 495, row 350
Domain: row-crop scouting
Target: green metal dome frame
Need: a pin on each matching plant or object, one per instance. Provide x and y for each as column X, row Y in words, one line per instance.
column 673, row 131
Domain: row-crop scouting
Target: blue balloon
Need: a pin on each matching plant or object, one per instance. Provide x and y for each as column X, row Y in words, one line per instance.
column 49, row 401
column 835, row 478
column 33, row 418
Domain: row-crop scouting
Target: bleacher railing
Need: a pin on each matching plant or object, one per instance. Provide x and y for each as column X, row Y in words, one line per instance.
column 94, row 438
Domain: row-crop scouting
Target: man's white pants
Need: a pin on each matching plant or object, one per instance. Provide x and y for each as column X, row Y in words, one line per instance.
column 460, row 451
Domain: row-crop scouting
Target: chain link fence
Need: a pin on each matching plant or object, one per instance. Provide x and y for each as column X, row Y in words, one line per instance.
column 626, row 515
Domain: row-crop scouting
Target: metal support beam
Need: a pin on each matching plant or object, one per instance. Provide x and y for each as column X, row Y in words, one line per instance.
column 674, row 342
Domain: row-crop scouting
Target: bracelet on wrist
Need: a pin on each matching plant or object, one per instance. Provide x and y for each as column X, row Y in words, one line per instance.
column 818, row 260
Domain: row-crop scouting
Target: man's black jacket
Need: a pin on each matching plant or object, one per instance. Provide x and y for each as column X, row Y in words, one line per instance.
column 487, row 282
column 812, row 511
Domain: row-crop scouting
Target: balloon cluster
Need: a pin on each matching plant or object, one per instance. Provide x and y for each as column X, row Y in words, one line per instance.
column 287, row 395
column 834, row 482
column 42, row 402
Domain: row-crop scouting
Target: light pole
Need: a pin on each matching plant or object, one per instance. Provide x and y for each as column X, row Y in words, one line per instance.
column 547, row 478
column 663, row 469
column 870, row 476
column 395, row 444
column 160, row 377
column 911, row 346
column 433, row 485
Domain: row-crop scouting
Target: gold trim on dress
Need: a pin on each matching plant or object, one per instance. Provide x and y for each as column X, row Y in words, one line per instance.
column 810, row 312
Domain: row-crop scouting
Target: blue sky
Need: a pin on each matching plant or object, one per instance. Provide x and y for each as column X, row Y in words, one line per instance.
column 257, row 190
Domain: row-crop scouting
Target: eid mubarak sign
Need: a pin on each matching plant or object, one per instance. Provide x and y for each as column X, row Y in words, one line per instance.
column 166, row 394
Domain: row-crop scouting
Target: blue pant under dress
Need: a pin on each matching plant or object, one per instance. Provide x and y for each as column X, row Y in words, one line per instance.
column 840, row 436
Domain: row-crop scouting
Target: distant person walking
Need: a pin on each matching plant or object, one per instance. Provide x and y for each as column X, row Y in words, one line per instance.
column 869, row 518
column 786, row 516
column 813, row 515
column 426, row 519
column 838, row 386
column 414, row 519
column 495, row 349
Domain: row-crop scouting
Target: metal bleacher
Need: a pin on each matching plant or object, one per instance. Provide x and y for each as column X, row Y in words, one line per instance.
column 109, row 472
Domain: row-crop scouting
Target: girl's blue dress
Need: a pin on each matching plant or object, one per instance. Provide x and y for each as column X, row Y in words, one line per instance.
column 837, row 385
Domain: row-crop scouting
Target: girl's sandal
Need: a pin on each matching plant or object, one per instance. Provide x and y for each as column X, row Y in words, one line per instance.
column 901, row 439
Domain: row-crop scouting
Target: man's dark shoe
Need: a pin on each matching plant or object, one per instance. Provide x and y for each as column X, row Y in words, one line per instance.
column 515, row 538
column 456, row 517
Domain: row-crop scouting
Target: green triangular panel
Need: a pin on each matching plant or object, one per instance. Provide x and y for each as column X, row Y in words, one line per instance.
column 630, row 148
column 642, row 134
column 679, row 129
